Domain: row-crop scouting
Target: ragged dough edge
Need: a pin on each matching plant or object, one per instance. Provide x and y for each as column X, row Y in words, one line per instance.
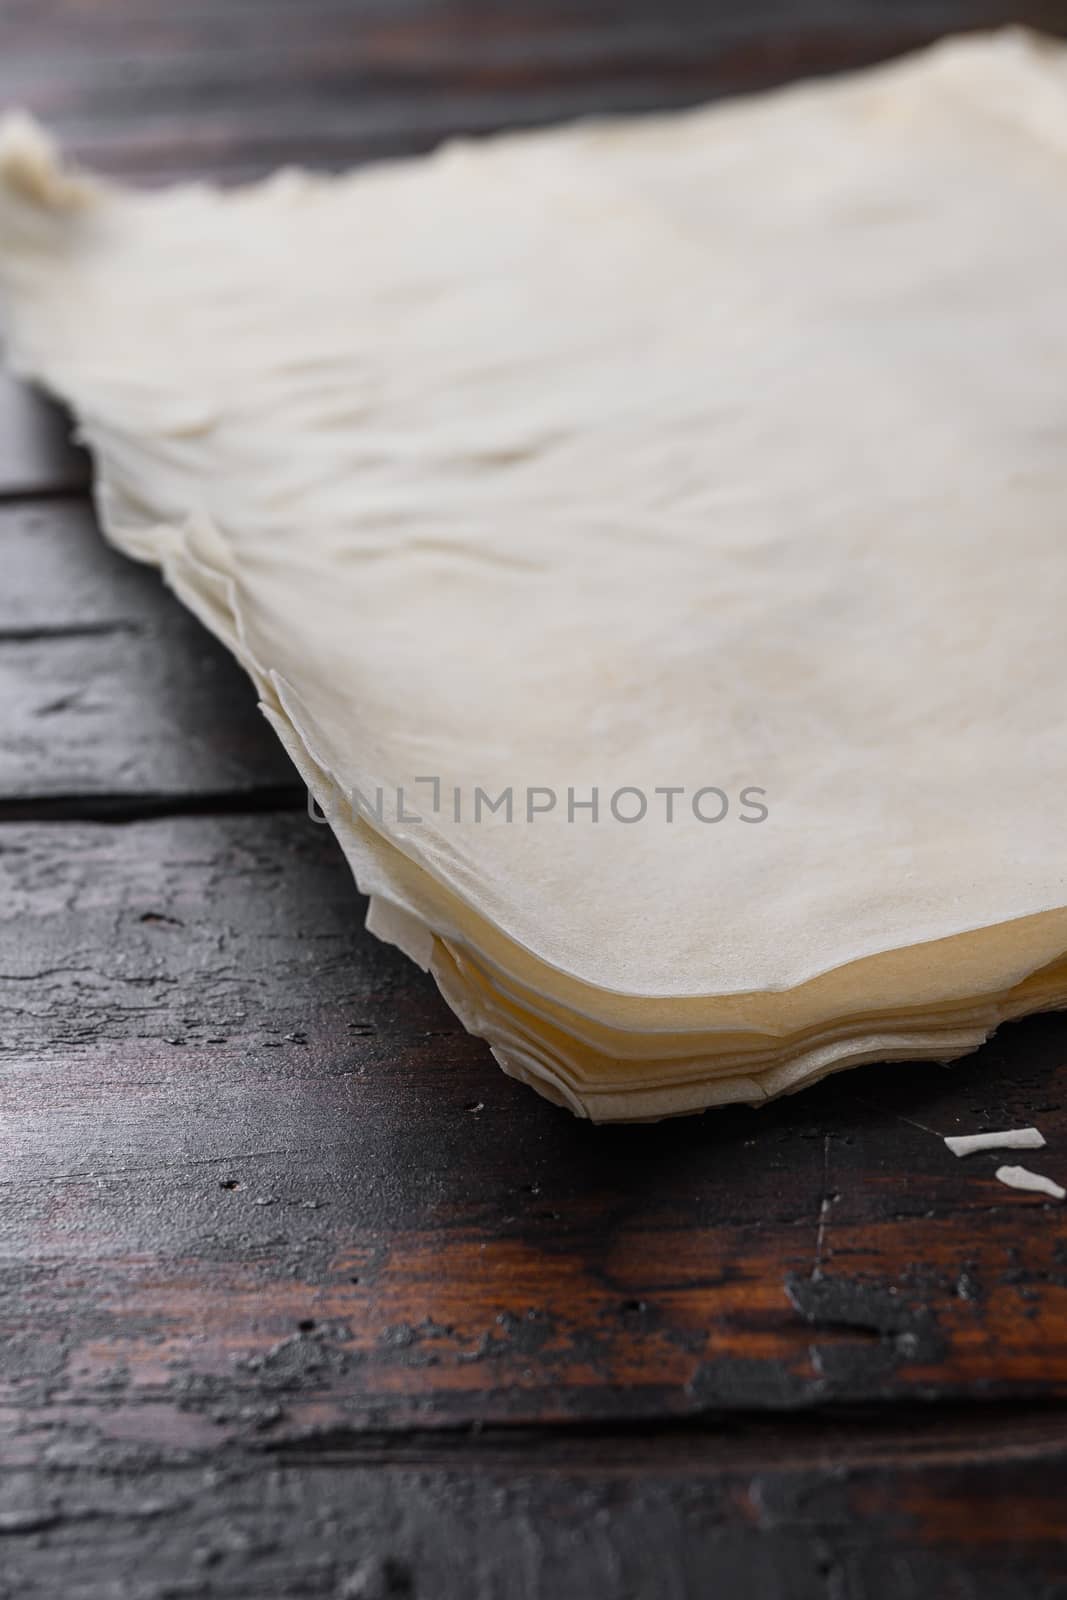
column 32, row 176
column 42, row 208
column 893, row 980
column 170, row 546
column 526, row 1052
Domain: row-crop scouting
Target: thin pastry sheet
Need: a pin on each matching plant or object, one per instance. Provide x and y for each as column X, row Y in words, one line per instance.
column 721, row 451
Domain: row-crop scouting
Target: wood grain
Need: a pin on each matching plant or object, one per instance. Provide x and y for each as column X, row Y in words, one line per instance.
column 974, row 1514
column 112, row 693
column 298, row 1294
column 236, row 88
column 226, row 1107
column 37, row 459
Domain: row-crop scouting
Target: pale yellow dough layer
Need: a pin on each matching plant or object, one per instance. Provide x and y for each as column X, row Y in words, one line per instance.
column 722, row 449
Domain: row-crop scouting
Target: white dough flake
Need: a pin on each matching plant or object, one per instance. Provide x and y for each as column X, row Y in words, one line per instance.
column 967, row 1144
column 1023, row 1178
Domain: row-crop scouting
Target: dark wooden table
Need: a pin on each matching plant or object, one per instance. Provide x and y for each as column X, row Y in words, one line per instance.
column 298, row 1294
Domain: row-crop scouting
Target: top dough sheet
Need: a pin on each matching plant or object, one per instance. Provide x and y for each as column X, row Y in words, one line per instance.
column 723, row 449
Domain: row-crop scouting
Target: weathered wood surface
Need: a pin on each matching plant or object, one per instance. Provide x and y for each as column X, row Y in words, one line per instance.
column 110, row 689
column 973, row 1513
column 37, row 458
column 298, row 1294
column 228, row 1108
column 237, row 87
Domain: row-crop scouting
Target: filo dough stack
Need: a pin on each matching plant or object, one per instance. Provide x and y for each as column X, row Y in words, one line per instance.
column 648, row 539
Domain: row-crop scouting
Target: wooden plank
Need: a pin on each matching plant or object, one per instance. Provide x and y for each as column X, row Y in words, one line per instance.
column 257, row 1179
column 37, row 457
column 111, row 691
column 275, row 1236
column 973, row 1514
column 235, row 88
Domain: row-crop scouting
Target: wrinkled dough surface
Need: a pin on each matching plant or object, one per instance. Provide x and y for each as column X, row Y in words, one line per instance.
column 724, row 448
